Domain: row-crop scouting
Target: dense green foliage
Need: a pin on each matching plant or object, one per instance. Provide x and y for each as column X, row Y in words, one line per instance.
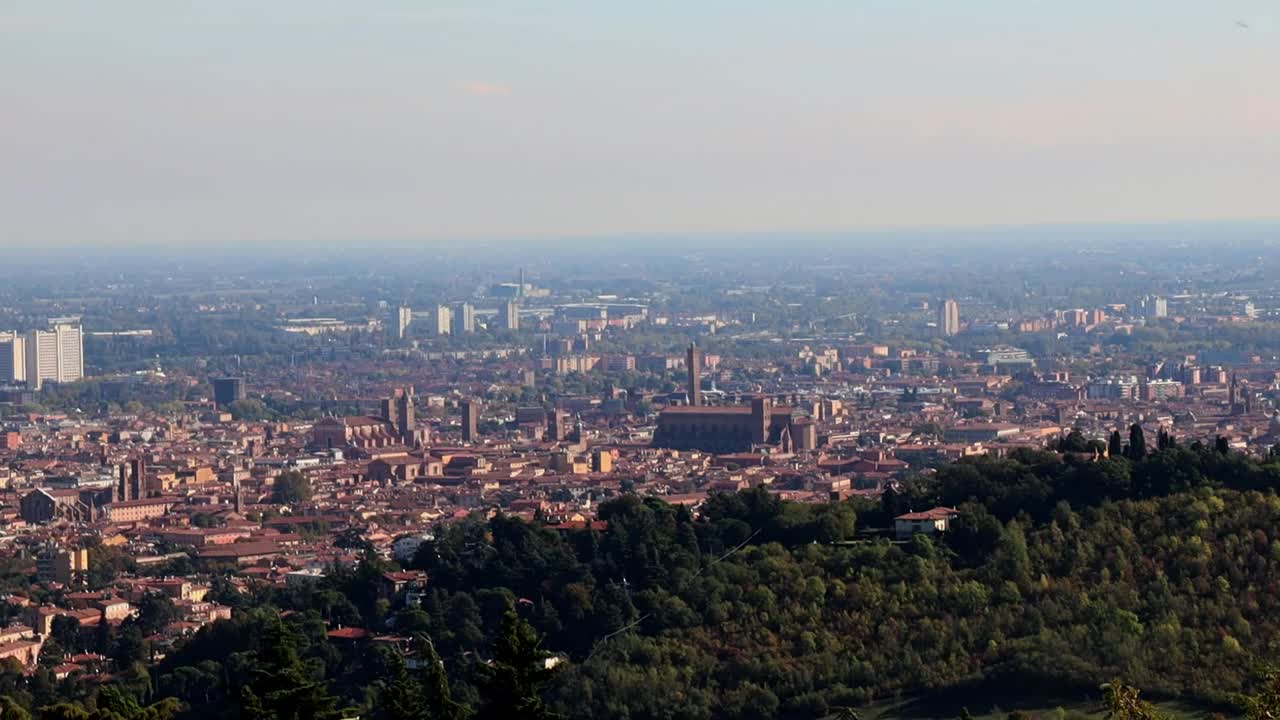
column 1061, row 572
column 291, row 486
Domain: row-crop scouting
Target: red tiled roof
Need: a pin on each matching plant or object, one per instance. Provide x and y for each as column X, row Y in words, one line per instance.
column 240, row 550
column 938, row 513
column 719, row 410
column 405, row 576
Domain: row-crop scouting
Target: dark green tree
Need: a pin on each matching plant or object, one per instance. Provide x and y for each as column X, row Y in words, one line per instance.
column 1012, row 561
column 66, row 630
column 113, row 703
column 435, row 684
column 291, row 486
column 250, row 410
column 130, row 646
column 156, row 611
column 422, row 695
column 1115, row 445
column 512, row 683
column 1137, row 443
column 11, row 710
column 401, row 699
column 280, row 688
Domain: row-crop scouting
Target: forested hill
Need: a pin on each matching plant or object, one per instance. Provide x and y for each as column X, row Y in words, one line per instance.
column 1061, row 574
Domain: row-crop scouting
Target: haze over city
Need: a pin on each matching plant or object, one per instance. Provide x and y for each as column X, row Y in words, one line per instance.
column 723, row 360
column 159, row 123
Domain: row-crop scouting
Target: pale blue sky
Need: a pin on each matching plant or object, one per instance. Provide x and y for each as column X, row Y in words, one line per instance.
column 229, row 120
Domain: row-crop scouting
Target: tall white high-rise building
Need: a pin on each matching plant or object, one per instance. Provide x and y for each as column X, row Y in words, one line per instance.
column 509, row 315
column 13, row 358
column 55, row 355
column 398, row 322
column 949, row 318
column 464, row 318
column 443, row 320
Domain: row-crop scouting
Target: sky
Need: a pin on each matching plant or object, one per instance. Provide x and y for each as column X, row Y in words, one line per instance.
column 186, row 123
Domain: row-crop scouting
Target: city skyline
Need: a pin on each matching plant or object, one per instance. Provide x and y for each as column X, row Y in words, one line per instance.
column 403, row 360
column 328, row 447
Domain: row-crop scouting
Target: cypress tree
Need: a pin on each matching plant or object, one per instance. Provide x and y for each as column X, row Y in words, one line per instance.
column 1137, row 442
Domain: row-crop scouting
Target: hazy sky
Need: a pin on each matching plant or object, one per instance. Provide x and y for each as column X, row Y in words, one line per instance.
column 221, row 120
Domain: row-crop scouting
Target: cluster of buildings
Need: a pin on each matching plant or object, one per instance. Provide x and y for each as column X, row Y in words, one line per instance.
column 197, row 490
column 39, row 356
column 456, row 319
column 1191, row 310
column 392, row 444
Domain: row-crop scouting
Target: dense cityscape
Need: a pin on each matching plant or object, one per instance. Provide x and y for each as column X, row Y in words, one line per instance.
column 373, row 460
column 581, row 360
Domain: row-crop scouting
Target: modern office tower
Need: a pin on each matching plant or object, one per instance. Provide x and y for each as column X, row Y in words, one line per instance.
column 509, row 315
column 55, row 355
column 470, row 421
column 227, row 390
column 13, row 358
column 693, row 362
column 464, row 319
column 443, row 318
column 1157, row 307
column 949, row 318
column 399, row 321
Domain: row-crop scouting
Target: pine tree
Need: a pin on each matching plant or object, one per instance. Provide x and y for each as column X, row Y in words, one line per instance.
column 435, row 685
column 280, row 689
column 11, row 710
column 511, row 683
column 401, row 699
column 421, row 695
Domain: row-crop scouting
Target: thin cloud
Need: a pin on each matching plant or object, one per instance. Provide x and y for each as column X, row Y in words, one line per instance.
column 436, row 15
column 484, row 89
